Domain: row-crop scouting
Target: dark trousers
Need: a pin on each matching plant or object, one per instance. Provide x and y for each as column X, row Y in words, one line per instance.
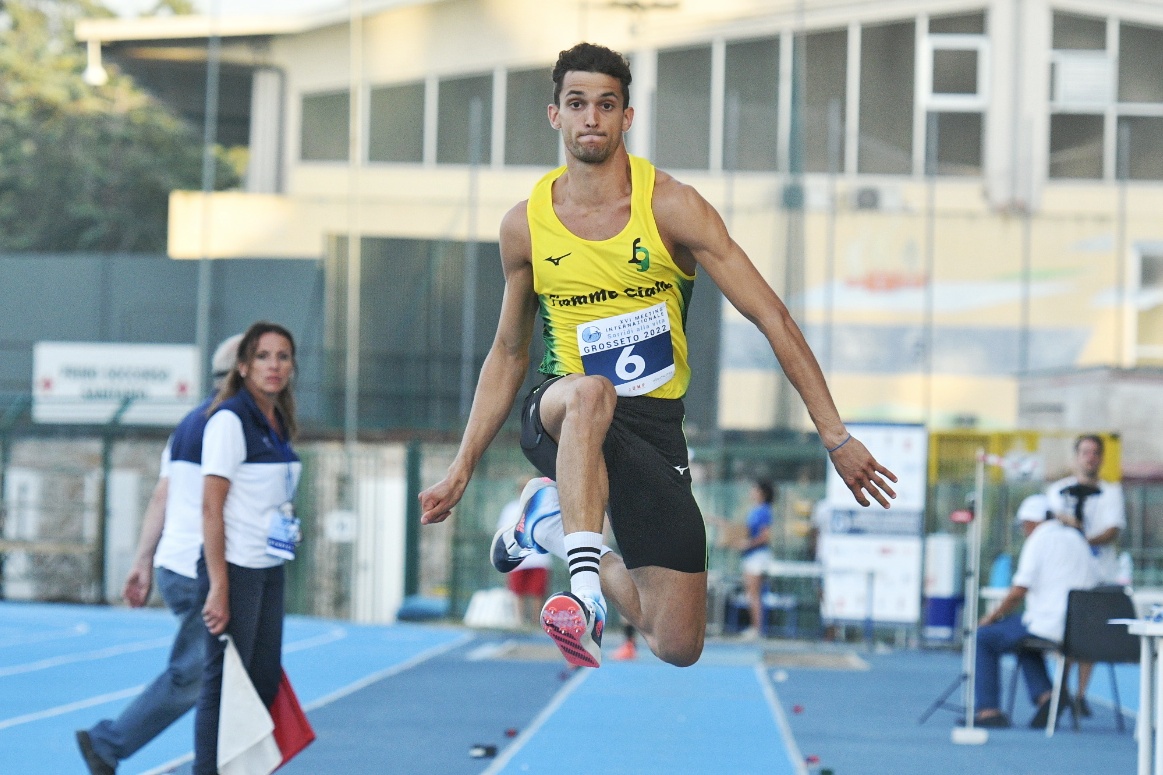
column 999, row 638
column 256, row 625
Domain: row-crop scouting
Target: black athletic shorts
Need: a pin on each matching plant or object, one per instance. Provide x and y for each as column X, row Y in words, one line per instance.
column 653, row 512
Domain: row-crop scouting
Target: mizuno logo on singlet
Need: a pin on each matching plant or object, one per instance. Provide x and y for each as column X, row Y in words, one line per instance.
column 557, row 261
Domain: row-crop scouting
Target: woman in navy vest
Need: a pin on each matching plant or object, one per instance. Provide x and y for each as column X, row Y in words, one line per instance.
column 249, row 475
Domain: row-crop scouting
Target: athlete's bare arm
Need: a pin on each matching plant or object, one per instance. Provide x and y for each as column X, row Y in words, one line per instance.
column 696, row 234
column 502, row 373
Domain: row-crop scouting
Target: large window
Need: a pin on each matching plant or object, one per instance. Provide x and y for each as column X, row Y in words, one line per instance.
column 324, row 127
column 887, row 64
column 460, row 99
column 1149, row 301
column 396, row 117
column 825, row 64
column 751, row 110
column 529, row 139
column 1141, row 144
column 1093, row 87
column 1078, row 33
column 958, row 142
column 1140, row 122
column 1140, row 64
column 957, row 56
column 1080, row 95
column 1076, row 145
column 682, row 118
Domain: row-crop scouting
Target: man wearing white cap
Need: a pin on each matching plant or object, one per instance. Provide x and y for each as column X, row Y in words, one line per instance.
column 171, row 539
column 1054, row 560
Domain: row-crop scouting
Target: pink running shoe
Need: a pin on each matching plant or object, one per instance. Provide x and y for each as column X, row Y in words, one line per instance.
column 576, row 625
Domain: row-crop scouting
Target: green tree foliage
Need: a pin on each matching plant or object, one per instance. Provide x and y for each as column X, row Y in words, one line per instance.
column 83, row 167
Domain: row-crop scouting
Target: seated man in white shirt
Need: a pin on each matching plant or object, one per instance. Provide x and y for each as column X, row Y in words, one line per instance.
column 1055, row 559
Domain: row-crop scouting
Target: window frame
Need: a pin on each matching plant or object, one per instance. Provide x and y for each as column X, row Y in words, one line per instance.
column 956, row 103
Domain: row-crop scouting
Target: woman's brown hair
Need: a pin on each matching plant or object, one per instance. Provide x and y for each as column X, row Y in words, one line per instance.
column 247, row 348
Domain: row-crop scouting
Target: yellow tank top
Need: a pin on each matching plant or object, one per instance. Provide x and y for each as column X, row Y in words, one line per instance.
column 614, row 307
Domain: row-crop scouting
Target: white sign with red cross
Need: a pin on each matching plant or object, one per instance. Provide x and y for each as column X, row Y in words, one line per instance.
column 90, row 383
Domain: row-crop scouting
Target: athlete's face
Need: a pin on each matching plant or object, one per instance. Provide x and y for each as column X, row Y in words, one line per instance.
column 269, row 371
column 591, row 116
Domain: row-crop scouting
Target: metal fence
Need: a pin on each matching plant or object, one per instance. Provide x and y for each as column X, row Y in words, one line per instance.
column 69, row 514
column 72, row 503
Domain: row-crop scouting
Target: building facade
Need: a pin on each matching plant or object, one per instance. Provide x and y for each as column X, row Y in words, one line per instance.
column 950, row 195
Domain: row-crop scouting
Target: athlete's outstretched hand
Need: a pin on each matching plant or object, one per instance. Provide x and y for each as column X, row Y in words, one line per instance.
column 861, row 473
column 437, row 501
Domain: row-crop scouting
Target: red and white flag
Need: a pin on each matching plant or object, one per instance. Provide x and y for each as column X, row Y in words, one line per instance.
column 251, row 740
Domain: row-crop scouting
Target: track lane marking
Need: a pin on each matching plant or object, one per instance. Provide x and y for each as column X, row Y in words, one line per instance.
column 789, row 741
column 558, row 699
column 338, row 694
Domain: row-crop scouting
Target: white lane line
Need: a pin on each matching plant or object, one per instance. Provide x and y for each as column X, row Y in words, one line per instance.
column 558, row 699
column 362, row 683
column 60, row 710
column 351, row 688
column 793, row 750
column 335, row 634
column 86, row 656
column 75, row 631
column 488, row 650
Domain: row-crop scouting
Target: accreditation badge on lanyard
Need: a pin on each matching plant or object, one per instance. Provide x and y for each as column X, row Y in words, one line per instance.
column 283, row 528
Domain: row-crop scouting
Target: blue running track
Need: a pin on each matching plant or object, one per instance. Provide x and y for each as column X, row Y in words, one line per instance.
column 415, row 700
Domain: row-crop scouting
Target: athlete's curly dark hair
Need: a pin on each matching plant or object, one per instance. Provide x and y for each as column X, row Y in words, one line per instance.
column 591, row 58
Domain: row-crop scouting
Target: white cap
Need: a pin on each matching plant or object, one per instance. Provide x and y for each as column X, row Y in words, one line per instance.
column 224, row 357
column 1033, row 509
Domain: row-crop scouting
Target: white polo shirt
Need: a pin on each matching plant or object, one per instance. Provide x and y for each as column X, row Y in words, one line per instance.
column 1054, row 560
column 1099, row 513
column 181, row 540
column 263, row 470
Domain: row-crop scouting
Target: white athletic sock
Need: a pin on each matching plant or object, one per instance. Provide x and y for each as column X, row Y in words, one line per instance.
column 583, row 554
column 549, row 534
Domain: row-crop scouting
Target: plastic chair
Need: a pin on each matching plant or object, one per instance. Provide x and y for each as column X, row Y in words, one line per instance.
column 1090, row 638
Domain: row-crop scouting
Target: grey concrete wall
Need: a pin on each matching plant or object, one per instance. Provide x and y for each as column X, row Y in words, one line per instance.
column 137, row 298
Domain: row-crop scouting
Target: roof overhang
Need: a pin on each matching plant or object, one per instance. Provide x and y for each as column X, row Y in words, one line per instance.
column 160, row 28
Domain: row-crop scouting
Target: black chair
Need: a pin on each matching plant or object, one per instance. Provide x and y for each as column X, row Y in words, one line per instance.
column 1090, row 638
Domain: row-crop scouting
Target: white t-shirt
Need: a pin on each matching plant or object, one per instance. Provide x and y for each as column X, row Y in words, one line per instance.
column 509, row 515
column 240, row 448
column 1099, row 513
column 1054, row 560
column 181, row 539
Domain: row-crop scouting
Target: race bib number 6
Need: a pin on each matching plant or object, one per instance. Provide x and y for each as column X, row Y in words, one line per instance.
column 634, row 350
